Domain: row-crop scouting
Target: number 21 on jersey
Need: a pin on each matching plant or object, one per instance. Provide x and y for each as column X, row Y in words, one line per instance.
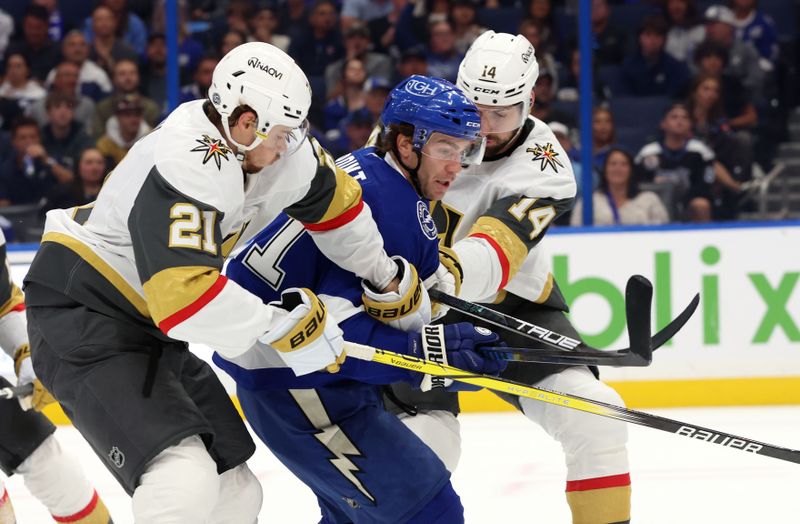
column 192, row 228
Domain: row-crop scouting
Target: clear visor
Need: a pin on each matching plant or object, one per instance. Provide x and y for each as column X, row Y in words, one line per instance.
column 501, row 119
column 452, row 149
column 285, row 139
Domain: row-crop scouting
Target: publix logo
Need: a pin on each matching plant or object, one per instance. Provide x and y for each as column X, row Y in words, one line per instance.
column 772, row 316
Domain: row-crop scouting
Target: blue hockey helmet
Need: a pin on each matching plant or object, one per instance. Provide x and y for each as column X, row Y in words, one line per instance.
column 432, row 105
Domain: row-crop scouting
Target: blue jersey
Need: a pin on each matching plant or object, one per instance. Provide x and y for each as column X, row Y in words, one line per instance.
column 284, row 255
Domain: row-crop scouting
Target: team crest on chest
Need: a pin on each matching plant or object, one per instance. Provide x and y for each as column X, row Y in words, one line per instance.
column 546, row 155
column 214, row 149
column 426, row 220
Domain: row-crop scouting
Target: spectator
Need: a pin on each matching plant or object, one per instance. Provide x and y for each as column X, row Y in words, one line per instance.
column 540, row 13
column 376, row 89
column 685, row 163
column 6, row 30
column 264, row 27
column 129, row 28
column 356, row 45
column 618, row 199
column 413, row 61
column 91, row 172
column 443, row 57
column 543, row 107
column 464, row 17
column 685, row 32
column 41, row 53
column 18, row 85
column 123, row 129
column 651, row 71
column 202, row 81
column 568, row 87
column 321, row 44
column 55, row 22
column 231, row 39
column 532, row 30
column 292, row 16
column 93, row 81
column 239, row 16
column 353, row 97
column 364, row 11
column 733, row 150
column 154, row 71
column 190, row 49
column 126, row 82
column 66, row 81
column 711, row 59
column 603, row 138
column 756, row 28
column 743, row 60
column 355, row 129
column 610, row 42
column 64, row 138
column 27, row 174
column 106, row 47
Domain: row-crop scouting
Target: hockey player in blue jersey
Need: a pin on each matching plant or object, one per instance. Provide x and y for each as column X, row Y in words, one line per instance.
column 331, row 429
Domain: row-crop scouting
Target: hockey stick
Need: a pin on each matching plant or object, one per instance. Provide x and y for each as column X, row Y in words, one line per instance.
column 636, row 357
column 595, row 407
column 638, row 295
column 15, row 392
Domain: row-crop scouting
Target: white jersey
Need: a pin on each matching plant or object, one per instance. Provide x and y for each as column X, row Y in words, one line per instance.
column 496, row 213
column 152, row 246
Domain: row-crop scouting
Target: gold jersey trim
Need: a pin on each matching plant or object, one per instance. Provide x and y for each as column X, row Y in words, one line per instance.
column 514, row 248
column 172, row 289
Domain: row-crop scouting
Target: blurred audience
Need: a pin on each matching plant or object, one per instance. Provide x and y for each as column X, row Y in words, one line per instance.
column 356, row 45
column 41, row 53
column 126, row 82
column 123, row 129
column 91, row 171
column 651, row 71
column 65, row 81
column 18, row 84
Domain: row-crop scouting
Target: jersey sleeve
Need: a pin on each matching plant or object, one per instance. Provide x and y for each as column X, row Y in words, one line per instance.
column 13, row 328
column 340, row 223
column 176, row 241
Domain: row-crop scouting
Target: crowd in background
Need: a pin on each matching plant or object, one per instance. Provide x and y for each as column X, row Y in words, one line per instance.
column 690, row 95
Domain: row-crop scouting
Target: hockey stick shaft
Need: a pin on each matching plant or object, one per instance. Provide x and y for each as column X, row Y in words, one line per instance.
column 595, row 407
column 577, row 358
column 16, row 392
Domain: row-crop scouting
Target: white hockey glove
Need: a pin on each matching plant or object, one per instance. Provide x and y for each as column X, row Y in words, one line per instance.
column 25, row 375
column 447, row 279
column 408, row 308
column 306, row 338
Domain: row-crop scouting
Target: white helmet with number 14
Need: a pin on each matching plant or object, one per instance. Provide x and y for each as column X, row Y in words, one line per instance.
column 265, row 78
column 499, row 69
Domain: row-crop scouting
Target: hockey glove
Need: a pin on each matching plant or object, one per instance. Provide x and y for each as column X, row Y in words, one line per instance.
column 25, row 375
column 455, row 345
column 306, row 338
column 408, row 308
column 447, row 279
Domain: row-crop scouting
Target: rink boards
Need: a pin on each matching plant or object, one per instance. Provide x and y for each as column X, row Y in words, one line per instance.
column 742, row 347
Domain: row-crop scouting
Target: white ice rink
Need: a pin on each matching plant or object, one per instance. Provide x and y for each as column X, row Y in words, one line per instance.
column 511, row 472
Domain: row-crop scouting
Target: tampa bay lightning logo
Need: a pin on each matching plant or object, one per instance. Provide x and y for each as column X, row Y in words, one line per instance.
column 426, row 220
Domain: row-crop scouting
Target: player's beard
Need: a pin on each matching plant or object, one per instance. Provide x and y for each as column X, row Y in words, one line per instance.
column 498, row 143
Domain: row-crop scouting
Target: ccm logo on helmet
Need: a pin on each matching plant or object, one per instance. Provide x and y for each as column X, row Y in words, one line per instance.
column 271, row 71
column 480, row 89
column 417, row 87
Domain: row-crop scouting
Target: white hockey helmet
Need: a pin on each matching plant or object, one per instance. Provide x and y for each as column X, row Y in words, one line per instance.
column 265, row 78
column 499, row 69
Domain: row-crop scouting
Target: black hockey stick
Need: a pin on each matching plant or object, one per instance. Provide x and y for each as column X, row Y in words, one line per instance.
column 637, row 356
column 15, row 392
column 567, row 400
column 638, row 294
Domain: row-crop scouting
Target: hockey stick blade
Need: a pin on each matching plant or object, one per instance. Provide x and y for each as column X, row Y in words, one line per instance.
column 575, row 358
column 639, row 294
column 15, row 392
column 566, row 400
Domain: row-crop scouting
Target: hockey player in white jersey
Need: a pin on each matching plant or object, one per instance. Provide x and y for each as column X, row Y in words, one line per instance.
column 118, row 287
column 494, row 217
column 27, row 444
